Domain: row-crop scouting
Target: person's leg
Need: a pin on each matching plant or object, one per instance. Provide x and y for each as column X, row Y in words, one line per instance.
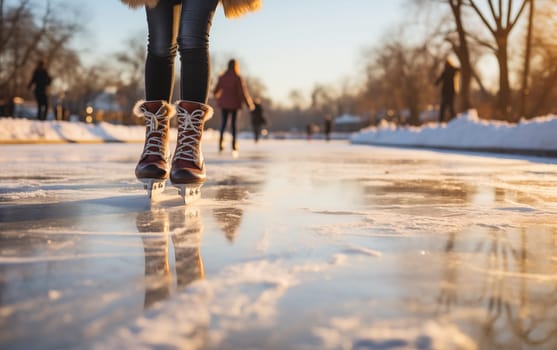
column 162, row 24
column 442, row 108
column 233, row 114
column 259, row 128
column 188, row 166
column 42, row 106
column 38, row 100
column 224, row 121
column 193, row 41
column 45, row 104
column 451, row 109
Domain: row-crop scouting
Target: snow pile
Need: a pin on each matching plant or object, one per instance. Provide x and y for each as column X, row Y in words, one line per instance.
column 25, row 130
column 14, row 130
column 468, row 131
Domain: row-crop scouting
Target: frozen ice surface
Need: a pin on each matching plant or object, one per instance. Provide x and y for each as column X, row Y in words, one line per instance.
column 294, row 245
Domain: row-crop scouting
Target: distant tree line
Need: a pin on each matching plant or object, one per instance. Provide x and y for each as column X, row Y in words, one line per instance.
column 34, row 29
column 506, row 51
column 29, row 31
column 517, row 36
column 395, row 80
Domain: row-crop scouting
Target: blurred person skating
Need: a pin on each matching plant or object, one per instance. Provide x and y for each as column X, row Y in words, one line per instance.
column 257, row 119
column 447, row 79
column 40, row 81
column 231, row 92
column 328, row 127
column 309, row 130
column 178, row 26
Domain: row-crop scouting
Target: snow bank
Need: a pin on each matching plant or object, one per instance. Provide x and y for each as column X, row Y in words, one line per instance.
column 14, row 130
column 468, row 131
column 25, row 130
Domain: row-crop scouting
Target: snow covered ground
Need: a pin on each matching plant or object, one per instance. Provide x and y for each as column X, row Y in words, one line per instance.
column 14, row 130
column 18, row 131
column 467, row 131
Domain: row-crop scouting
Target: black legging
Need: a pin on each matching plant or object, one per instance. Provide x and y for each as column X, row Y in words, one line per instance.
column 233, row 113
column 447, row 103
column 182, row 25
column 42, row 104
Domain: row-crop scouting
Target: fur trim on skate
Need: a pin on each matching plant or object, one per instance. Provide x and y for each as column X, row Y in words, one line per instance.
column 232, row 8
column 139, row 112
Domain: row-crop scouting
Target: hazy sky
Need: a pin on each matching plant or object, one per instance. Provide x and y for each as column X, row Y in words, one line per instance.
column 289, row 44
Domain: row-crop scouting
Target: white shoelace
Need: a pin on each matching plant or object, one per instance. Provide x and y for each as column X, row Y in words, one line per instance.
column 188, row 148
column 153, row 141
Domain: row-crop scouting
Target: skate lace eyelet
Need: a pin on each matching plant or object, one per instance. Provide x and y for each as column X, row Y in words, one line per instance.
column 155, row 144
column 189, row 129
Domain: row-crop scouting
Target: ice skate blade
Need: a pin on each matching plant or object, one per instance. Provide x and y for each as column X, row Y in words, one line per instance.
column 189, row 192
column 154, row 187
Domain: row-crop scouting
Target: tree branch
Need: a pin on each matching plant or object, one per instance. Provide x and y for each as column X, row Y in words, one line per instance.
column 482, row 42
column 509, row 9
column 14, row 23
column 481, row 15
column 522, row 7
column 496, row 17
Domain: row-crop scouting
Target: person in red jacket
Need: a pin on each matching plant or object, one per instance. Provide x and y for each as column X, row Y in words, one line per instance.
column 231, row 93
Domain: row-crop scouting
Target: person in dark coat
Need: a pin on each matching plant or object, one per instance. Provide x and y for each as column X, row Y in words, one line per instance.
column 231, row 92
column 309, row 130
column 40, row 80
column 328, row 127
column 257, row 119
column 447, row 81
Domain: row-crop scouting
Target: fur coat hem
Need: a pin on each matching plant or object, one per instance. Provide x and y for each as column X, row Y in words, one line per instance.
column 232, row 8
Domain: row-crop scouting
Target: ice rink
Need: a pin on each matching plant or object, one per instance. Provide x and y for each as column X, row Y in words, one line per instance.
column 293, row 245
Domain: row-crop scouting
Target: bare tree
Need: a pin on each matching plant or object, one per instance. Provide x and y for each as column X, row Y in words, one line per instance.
column 400, row 78
column 526, row 70
column 296, row 99
column 449, row 25
column 500, row 20
column 28, row 31
column 542, row 92
column 323, row 99
column 462, row 51
column 131, row 75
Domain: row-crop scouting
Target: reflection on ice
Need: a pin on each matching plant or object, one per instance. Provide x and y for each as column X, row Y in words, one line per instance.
column 184, row 227
column 229, row 221
column 318, row 246
column 230, row 194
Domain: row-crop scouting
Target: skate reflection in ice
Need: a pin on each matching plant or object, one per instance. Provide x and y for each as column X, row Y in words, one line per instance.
column 185, row 227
